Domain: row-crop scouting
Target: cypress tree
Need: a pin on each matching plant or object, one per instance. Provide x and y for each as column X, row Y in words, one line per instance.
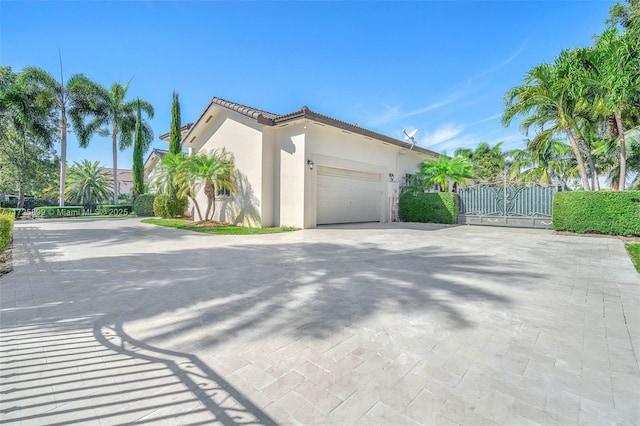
column 173, row 204
column 174, row 130
column 138, row 166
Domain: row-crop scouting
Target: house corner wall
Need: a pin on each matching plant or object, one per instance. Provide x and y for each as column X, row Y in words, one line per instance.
column 292, row 171
column 270, row 189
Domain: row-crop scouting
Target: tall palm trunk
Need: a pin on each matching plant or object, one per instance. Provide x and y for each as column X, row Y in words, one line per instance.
column 623, row 151
column 595, row 184
column 210, row 192
column 114, row 147
column 63, row 155
column 24, row 163
column 197, row 206
column 579, row 159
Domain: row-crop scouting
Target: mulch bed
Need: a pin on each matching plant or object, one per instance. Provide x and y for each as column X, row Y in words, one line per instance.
column 208, row 224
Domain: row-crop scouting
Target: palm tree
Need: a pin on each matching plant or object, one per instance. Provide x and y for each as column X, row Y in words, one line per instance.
column 88, row 183
column 487, row 161
column 575, row 71
column 115, row 117
column 172, row 173
column 545, row 101
column 617, row 59
column 545, row 160
column 445, row 170
column 210, row 172
column 77, row 98
column 25, row 114
column 608, row 157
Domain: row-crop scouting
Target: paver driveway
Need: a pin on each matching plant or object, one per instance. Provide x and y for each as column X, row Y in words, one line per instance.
column 118, row 322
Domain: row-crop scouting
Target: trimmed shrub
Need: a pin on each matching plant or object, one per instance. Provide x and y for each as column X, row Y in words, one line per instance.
column 52, row 211
column 175, row 206
column 143, row 206
column 115, row 210
column 16, row 213
column 9, row 204
column 603, row 212
column 6, row 230
column 160, row 206
column 29, row 203
column 32, row 203
column 436, row 207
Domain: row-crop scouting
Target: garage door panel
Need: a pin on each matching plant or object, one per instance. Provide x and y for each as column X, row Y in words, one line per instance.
column 345, row 196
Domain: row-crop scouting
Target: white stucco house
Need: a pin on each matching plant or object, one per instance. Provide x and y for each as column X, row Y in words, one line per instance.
column 303, row 169
column 154, row 158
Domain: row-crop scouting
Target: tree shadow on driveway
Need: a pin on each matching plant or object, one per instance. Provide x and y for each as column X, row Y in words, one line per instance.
column 182, row 292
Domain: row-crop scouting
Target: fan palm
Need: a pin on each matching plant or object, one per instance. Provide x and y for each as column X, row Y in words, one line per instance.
column 76, row 97
column 88, row 183
column 445, row 170
column 115, row 117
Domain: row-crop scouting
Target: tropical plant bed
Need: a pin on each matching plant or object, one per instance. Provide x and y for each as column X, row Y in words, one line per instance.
column 214, row 227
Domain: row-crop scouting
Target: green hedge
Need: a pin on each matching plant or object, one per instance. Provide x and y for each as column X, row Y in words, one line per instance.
column 6, row 230
column 16, row 213
column 143, row 206
column 114, row 210
column 437, row 207
column 160, row 206
column 49, row 212
column 603, row 212
column 175, row 206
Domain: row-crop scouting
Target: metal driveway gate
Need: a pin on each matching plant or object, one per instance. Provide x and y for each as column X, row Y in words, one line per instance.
column 506, row 205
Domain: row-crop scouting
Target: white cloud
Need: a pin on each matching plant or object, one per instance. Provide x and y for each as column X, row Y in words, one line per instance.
column 467, row 141
column 395, row 113
column 484, row 120
column 441, row 134
column 427, row 108
column 499, row 65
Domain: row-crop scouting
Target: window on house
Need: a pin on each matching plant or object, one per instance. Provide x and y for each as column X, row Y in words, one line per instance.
column 408, row 178
column 223, row 192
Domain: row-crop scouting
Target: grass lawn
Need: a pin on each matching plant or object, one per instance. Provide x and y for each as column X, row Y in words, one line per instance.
column 216, row 229
column 633, row 248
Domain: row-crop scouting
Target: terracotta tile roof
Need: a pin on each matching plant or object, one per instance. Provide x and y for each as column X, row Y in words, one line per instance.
column 243, row 109
column 159, row 152
column 183, row 130
column 271, row 119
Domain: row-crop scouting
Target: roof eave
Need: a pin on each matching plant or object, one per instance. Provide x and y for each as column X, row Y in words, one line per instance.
column 321, row 118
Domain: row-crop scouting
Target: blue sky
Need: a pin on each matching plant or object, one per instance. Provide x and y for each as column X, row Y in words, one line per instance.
column 441, row 67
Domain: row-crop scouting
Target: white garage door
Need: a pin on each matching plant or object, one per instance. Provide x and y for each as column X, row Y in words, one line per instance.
column 346, row 196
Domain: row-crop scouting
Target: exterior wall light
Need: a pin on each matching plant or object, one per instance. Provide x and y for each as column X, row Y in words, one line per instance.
column 391, row 177
column 310, row 163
